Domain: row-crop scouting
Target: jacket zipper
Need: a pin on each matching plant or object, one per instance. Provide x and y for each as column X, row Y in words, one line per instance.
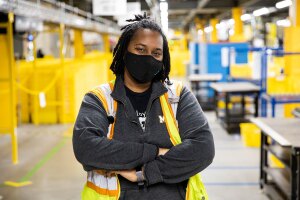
column 133, row 121
column 147, row 110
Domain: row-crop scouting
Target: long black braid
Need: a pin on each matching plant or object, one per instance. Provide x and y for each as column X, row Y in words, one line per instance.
column 140, row 21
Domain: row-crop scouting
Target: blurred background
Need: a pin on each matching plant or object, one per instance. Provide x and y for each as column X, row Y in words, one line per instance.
column 239, row 57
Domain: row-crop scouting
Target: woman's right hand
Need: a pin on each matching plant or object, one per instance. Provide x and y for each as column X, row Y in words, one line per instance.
column 162, row 151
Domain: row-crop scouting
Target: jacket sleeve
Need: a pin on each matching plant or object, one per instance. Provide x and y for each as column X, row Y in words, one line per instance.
column 194, row 154
column 92, row 148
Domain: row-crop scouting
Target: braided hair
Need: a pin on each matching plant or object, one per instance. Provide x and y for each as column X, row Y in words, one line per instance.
column 139, row 22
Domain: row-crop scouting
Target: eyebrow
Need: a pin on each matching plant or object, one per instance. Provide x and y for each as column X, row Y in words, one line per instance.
column 146, row 46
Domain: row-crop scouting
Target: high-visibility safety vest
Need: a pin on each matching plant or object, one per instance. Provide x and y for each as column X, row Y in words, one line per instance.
column 100, row 187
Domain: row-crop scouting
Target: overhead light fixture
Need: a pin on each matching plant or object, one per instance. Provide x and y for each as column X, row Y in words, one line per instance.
column 164, row 16
column 163, row 6
column 261, row 11
column 221, row 25
column 1, row 2
column 231, row 21
column 246, row 17
column 284, row 4
column 208, row 29
column 284, row 23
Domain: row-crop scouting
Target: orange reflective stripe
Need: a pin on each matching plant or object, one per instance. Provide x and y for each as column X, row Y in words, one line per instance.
column 187, row 192
column 103, row 94
column 111, row 85
column 102, row 190
column 98, row 92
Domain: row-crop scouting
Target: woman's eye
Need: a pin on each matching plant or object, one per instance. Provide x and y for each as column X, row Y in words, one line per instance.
column 157, row 54
column 140, row 50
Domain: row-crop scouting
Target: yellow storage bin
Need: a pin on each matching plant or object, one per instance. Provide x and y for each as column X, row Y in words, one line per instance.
column 250, row 135
column 288, row 109
column 241, row 71
column 221, row 105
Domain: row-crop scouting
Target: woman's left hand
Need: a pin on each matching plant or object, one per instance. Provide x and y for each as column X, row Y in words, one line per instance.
column 128, row 174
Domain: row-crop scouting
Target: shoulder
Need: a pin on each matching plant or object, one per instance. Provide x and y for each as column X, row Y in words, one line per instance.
column 174, row 87
column 105, row 88
column 178, row 89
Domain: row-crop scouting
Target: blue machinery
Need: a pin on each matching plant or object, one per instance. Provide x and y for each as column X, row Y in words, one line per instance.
column 207, row 58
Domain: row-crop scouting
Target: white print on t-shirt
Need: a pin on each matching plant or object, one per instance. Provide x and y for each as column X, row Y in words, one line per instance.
column 142, row 119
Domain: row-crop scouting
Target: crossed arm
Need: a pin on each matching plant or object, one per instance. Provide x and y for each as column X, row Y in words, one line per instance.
column 95, row 152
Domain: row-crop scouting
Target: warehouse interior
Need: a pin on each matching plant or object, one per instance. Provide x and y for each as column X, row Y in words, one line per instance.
column 238, row 57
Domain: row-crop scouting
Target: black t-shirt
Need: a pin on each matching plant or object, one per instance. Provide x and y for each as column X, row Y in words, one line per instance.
column 139, row 102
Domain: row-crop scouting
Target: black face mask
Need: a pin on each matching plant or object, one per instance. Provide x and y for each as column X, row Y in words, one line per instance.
column 143, row 68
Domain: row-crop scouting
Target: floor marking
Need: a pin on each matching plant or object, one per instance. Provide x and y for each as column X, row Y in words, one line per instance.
column 25, row 180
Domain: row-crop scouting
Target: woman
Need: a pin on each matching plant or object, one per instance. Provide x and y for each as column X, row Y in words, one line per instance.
column 140, row 151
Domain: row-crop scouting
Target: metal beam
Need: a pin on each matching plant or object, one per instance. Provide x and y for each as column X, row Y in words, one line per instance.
column 60, row 13
column 191, row 4
column 201, row 4
column 247, row 4
column 198, row 11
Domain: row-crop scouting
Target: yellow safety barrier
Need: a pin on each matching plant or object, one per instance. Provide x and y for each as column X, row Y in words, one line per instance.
column 250, row 134
column 179, row 60
column 7, row 75
column 79, row 75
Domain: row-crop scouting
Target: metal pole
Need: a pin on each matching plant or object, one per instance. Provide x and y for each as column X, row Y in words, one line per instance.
column 13, row 129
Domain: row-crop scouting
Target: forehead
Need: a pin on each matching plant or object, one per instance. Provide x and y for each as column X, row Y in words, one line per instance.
column 148, row 37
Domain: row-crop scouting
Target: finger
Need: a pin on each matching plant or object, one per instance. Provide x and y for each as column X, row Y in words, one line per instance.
column 110, row 174
column 102, row 172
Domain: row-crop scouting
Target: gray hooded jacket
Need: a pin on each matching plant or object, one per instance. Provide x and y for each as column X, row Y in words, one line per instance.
column 166, row 176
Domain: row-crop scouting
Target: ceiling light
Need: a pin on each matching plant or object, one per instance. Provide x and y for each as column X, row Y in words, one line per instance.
column 283, row 4
column 208, row 29
column 231, row 21
column 283, row 22
column 164, row 16
column 163, row 6
column 246, row 17
column 1, row 2
column 261, row 11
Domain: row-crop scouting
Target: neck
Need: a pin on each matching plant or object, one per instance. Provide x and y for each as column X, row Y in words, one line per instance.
column 133, row 85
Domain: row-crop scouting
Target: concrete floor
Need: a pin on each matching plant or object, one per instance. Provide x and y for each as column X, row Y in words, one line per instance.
column 46, row 159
